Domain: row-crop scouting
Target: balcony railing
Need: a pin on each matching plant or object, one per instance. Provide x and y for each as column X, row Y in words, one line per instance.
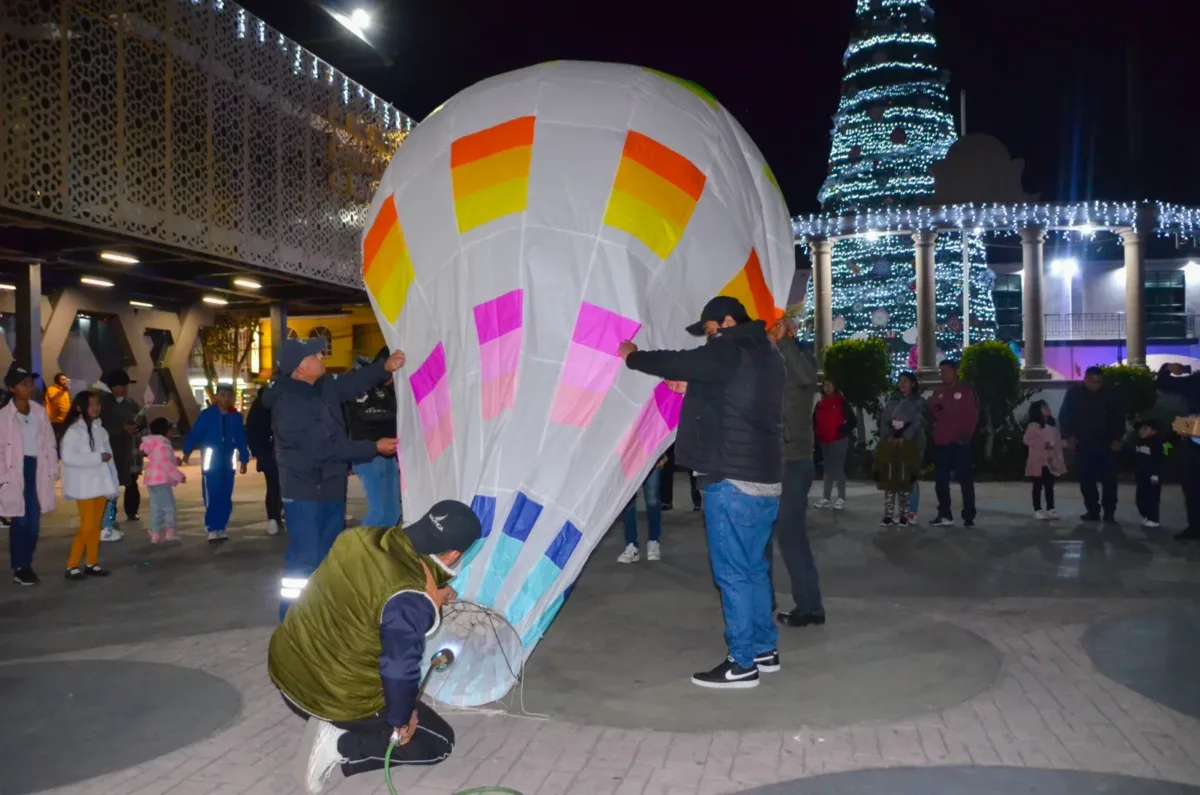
column 1083, row 326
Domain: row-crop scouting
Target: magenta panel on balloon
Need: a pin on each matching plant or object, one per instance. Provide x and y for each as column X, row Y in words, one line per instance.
column 500, row 355
column 435, row 405
column 602, row 330
column 653, row 425
column 575, row 406
column 589, row 369
column 495, row 318
column 426, row 377
column 498, row 395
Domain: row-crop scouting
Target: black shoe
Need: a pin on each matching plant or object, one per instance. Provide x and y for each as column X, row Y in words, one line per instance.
column 968, row 523
column 666, row 506
column 95, row 571
column 75, row 574
column 25, row 577
column 768, row 661
column 1110, row 517
column 1090, row 517
column 903, row 520
column 1191, row 534
column 695, row 507
column 799, row 619
column 942, row 521
column 887, row 522
column 727, row 676
column 132, row 518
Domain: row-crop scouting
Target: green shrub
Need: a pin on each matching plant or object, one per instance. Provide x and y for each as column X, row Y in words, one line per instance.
column 995, row 373
column 1134, row 387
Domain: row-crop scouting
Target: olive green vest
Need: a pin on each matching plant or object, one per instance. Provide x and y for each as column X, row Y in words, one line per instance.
column 325, row 654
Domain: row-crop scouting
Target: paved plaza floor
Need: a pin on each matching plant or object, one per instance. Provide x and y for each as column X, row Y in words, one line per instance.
column 1018, row 657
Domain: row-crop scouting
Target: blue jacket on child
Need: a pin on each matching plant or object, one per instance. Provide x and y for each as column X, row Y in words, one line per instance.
column 220, row 435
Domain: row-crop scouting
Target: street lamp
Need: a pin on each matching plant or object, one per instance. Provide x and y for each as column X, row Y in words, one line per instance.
column 1067, row 268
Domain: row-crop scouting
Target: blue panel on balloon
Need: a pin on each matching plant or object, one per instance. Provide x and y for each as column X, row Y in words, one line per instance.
column 504, row 555
column 522, row 518
column 563, row 545
column 534, row 633
column 485, row 509
column 540, row 579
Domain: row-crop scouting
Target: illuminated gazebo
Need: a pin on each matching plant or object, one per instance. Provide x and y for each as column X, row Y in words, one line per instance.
column 1134, row 222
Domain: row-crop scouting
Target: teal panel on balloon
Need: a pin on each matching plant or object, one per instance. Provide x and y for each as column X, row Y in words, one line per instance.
column 504, row 557
column 485, row 509
column 540, row 579
column 534, row 633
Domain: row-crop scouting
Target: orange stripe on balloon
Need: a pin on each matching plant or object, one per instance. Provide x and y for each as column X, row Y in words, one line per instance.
column 667, row 163
column 384, row 221
column 502, row 137
column 764, row 303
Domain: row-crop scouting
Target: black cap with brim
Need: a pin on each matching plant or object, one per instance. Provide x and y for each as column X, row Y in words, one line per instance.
column 16, row 374
column 717, row 310
column 449, row 526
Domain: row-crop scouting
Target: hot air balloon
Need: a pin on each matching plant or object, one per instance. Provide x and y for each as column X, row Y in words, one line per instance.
column 523, row 231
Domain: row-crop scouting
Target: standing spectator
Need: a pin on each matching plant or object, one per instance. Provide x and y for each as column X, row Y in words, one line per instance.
column 162, row 476
column 897, row 460
column 650, row 492
column 1045, row 460
column 261, row 441
column 667, row 487
column 1148, row 458
column 955, row 413
column 371, row 417
column 1178, row 379
column 122, row 419
column 314, row 452
column 833, row 426
column 90, row 478
column 221, row 437
column 791, row 530
column 28, row 469
column 730, row 434
column 58, row 405
column 1093, row 424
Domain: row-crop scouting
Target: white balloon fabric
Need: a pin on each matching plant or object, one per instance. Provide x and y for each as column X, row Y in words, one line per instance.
column 520, row 233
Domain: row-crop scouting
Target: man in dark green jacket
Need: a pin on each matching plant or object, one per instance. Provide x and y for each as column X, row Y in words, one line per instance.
column 349, row 652
column 791, row 531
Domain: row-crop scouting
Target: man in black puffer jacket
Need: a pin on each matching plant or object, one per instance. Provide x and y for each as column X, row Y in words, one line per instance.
column 731, row 434
column 369, row 418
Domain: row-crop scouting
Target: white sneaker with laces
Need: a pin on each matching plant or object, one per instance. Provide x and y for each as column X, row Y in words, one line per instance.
column 1040, row 515
column 1150, row 523
column 214, row 535
column 1051, row 514
column 839, row 504
column 319, row 755
column 630, row 555
column 111, row 534
column 653, row 551
column 272, row 527
column 823, row 504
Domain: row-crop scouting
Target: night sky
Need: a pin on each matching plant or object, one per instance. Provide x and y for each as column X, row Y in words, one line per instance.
column 1047, row 77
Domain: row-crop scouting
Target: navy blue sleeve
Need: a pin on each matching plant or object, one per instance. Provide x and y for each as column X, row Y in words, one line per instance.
column 406, row 618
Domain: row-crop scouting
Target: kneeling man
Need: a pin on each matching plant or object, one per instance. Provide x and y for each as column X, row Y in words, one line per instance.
column 348, row 654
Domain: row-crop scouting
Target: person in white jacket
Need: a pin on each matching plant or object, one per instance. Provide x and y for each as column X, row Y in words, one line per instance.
column 88, row 477
column 28, row 469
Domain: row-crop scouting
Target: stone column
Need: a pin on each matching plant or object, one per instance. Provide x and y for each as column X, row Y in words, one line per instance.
column 821, row 251
column 1033, row 312
column 926, row 306
column 279, row 331
column 1135, row 293
column 29, row 319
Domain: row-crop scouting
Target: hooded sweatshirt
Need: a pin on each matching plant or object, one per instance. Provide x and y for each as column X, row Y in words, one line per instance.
column 955, row 413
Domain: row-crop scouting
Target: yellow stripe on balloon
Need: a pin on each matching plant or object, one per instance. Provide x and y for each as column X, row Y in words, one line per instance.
column 489, row 171
column 639, row 219
column 387, row 266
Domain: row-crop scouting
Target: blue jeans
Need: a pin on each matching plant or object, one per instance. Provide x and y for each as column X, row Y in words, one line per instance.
column 162, row 507
column 24, row 530
column 954, row 458
column 312, row 529
column 381, row 481
column 914, row 497
column 739, row 529
column 1097, row 463
column 650, row 491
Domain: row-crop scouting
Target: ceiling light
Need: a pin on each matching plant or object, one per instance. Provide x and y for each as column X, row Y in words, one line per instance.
column 360, row 18
column 212, row 299
column 249, row 284
column 119, row 258
column 142, row 304
column 8, row 287
column 95, row 282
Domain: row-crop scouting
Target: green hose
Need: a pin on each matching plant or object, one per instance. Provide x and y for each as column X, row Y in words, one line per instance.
column 387, row 774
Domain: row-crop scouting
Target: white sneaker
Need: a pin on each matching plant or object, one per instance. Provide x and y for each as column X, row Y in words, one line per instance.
column 839, row 504
column 1041, row 515
column 214, row 535
column 272, row 527
column 111, row 534
column 653, row 551
column 319, row 755
column 1051, row 514
column 1150, row 523
column 823, row 504
column 630, row 555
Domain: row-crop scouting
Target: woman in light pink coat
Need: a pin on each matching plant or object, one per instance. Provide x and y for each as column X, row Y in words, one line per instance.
column 28, row 469
column 1046, row 461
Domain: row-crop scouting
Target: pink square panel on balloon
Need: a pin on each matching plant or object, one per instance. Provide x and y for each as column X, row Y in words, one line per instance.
column 498, row 395
column 575, row 406
column 603, row 330
column 431, row 390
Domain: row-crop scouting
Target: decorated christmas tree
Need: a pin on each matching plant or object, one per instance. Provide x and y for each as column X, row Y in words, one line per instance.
column 892, row 123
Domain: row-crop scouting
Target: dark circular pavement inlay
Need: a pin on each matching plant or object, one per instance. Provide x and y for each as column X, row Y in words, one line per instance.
column 1156, row 653
column 70, row 721
column 974, row 781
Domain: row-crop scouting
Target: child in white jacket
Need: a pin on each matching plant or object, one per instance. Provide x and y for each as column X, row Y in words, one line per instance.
column 88, row 477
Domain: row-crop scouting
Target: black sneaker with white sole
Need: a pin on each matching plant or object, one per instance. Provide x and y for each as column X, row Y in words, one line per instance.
column 728, row 676
column 768, row 661
column 25, row 577
column 942, row 521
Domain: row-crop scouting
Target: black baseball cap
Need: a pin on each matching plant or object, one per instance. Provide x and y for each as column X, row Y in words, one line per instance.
column 450, row 526
column 16, row 374
column 117, row 378
column 717, row 310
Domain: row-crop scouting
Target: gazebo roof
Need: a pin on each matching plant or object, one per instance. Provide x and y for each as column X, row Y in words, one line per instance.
column 1158, row 218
